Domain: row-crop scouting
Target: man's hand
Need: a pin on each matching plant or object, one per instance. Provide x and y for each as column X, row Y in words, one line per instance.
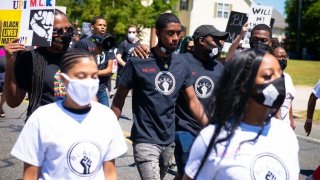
column 308, row 126
column 141, row 51
column 41, row 23
column 245, row 28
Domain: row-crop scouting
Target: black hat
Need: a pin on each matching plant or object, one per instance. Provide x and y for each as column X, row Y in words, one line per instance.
column 205, row 30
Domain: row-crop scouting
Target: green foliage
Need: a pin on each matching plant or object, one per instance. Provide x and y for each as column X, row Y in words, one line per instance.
column 119, row 13
column 310, row 18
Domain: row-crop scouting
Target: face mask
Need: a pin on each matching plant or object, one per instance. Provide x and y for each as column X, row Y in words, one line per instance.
column 283, row 63
column 62, row 42
column 259, row 45
column 131, row 37
column 81, row 91
column 214, row 51
column 270, row 94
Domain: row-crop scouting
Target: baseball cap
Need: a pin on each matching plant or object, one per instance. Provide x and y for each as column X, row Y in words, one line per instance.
column 205, row 30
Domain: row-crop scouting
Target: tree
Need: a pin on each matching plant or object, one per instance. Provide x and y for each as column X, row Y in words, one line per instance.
column 309, row 32
column 119, row 13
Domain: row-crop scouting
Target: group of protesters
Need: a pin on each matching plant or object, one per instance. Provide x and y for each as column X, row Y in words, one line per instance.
column 219, row 119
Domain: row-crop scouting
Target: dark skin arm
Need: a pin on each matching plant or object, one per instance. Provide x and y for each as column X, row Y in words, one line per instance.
column 311, row 106
column 119, row 99
column 13, row 92
column 195, row 106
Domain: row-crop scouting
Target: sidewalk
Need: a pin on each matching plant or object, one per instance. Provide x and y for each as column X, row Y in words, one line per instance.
column 300, row 102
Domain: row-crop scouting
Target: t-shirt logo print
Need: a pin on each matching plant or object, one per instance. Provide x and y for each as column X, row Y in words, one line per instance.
column 204, row 87
column 165, row 83
column 268, row 166
column 270, row 93
column 84, row 158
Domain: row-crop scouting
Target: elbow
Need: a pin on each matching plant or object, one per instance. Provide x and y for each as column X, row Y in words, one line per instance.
column 12, row 104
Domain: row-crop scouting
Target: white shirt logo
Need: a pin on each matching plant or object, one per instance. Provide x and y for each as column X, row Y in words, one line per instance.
column 84, row 158
column 204, row 87
column 268, row 166
column 165, row 83
column 270, row 93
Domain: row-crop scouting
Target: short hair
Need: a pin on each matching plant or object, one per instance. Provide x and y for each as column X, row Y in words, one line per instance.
column 274, row 45
column 94, row 19
column 183, row 28
column 72, row 57
column 132, row 26
column 262, row 27
column 165, row 19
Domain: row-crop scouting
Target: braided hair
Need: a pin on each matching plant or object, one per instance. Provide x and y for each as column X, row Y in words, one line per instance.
column 232, row 97
column 165, row 19
column 72, row 57
column 39, row 63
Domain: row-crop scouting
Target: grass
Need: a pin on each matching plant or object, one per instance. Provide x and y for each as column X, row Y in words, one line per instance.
column 316, row 115
column 304, row 73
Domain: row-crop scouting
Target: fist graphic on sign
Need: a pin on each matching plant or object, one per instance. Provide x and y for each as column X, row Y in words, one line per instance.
column 41, row 23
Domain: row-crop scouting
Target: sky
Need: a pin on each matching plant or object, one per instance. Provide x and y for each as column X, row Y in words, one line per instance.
column 277, row 4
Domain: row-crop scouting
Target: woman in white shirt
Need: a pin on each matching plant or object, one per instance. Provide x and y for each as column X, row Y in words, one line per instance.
column 75, row 138
column 244, row 141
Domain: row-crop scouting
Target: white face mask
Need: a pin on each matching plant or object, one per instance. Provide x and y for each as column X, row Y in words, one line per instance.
column 81, row 91
column 214, row 52
column 131, row 37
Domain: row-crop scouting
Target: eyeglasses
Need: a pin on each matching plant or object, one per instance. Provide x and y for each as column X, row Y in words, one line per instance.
column 133, row 32
column 61, row 31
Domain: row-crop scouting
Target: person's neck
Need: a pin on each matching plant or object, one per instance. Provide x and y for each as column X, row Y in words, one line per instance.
column 202, row 56
column 160, row 53
column 255, row 114
column 69, row 103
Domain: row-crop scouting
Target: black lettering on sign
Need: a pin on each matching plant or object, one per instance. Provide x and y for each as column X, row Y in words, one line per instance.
column 235, row 23
column 9, row 33
column 11, row 24
column 5, row 40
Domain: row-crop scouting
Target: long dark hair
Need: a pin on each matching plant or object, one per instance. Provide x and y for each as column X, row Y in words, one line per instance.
column 232, row 96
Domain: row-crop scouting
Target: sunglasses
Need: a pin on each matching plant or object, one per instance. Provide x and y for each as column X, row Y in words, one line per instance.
column 61, row 31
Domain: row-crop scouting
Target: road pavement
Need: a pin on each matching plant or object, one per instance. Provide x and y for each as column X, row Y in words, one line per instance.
column 11, row 126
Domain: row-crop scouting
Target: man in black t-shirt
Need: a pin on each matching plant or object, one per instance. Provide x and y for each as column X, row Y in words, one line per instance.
column 156, row 84
column 125, row 50
column 104, row 58
column 206, row 73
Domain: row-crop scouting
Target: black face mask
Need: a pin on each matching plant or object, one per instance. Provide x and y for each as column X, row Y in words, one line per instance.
column 283, row 63
column 259, row 45
column 270, row 94
column 214, row 51
column 63, row 41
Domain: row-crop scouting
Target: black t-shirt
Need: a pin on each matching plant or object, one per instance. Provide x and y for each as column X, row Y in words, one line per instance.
column 205, row 78
column 53, row 88
column 154, row 93
column 101, row 59
column 125, row 48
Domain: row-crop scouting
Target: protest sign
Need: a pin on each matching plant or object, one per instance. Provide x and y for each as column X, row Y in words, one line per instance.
column 86, row 28
column 258, row 15
column 30, row 20
column 235, row 23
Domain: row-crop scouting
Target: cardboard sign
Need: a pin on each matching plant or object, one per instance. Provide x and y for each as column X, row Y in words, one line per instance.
column 86, row 28
column 258, row 15
column 235, row 23
column 30, row 20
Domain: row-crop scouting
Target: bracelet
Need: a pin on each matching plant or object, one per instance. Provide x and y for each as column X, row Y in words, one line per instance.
column 309, row 121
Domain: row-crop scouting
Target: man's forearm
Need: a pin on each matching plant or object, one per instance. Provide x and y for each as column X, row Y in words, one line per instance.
column 311, row 106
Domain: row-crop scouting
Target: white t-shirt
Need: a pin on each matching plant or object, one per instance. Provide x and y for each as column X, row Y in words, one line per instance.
column 68, row 145
column 316, row 90
column 290, row 93
column 273, row 156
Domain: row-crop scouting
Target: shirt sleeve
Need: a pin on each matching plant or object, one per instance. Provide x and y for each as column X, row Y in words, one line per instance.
column 196, row 155
column 118, row 145
column 28, row 147
column 121, row 48
column 188, row 78
column 316, row 90
column 23, row 70
column 127, row 77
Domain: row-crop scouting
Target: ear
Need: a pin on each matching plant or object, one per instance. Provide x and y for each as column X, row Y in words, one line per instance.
column 201, row 40
column 91, row 28
column 157, row 33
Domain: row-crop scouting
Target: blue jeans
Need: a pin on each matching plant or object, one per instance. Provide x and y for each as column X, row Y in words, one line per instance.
column 102, row 96
column 184, row 141
column 152, row 160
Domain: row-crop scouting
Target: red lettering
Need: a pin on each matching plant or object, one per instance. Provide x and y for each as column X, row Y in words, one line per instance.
column 40, row 4
column 152, row 70
column 194, row 73
column 144, row 70
column 33, row 3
